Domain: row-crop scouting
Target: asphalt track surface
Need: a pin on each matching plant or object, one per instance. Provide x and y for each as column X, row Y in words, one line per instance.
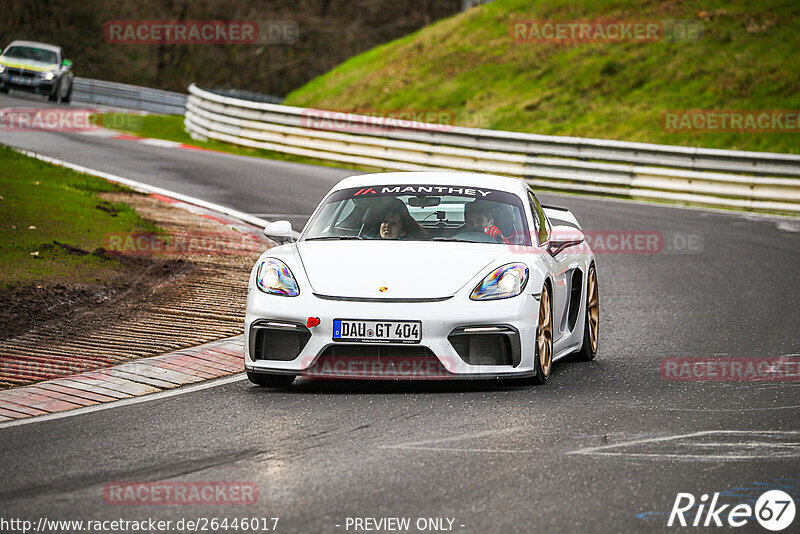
column 604, row 446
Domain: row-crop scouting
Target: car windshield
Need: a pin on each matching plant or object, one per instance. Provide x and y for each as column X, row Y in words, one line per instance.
column 421, row 213
column 32, row 53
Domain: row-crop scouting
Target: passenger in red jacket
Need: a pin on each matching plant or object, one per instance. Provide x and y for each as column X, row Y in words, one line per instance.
column 478, row 217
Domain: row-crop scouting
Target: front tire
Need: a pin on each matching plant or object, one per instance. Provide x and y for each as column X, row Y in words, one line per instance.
column 591, row 324
column 68, row 97
column 267, row 380
column 543, row 359
column 54, row 96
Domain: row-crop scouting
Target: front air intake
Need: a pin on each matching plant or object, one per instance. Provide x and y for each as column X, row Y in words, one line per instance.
column 576, row 290
column 274, row 340
column 487, row 345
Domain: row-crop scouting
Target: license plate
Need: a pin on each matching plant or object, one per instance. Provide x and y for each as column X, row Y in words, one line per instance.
column 20, row 81
column 377, row 331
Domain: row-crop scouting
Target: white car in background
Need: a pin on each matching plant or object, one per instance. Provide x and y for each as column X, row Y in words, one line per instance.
column 423, row 275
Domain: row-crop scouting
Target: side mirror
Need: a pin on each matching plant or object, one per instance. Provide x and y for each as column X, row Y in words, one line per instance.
column 67, row 64
column 563, row 237
column 280, row 231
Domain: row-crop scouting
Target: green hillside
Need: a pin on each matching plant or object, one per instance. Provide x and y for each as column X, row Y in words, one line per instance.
column 469, row 65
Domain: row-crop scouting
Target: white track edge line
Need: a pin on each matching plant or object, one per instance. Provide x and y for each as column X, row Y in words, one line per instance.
column 144, row 188
column 125, row 402
column 641, row 441
column 257, row 221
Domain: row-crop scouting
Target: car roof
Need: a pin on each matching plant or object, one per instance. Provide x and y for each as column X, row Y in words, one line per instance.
column 35, row 44
column 463, row 179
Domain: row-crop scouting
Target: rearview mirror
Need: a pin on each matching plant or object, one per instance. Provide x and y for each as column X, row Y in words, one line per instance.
column 67, row 64
column 422, row 201
column 280, row 231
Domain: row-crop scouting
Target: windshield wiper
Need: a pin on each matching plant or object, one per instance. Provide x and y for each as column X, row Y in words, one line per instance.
column 341, row 237
column 453, row 239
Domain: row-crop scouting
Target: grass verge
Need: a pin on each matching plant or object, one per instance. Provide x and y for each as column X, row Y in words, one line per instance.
column 471, row 67
column 51, row 217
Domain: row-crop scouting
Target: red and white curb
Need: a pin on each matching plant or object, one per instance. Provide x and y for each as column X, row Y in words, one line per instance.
column 139, row 380
column 111, row 134
column 132, row 379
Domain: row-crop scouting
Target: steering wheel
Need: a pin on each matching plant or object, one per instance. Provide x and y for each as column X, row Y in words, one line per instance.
column 477, row 237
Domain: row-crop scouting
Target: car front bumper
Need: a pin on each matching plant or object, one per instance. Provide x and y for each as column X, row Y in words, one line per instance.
column 515, row 317
column 34, row 84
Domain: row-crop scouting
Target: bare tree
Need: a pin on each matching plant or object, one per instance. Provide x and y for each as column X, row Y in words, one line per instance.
column 330, row 32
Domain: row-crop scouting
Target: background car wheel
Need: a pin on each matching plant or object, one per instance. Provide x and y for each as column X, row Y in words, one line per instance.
column 591, row 327
column 544, row 340
column 53, row 97
column 275, row 381
column 68, row 97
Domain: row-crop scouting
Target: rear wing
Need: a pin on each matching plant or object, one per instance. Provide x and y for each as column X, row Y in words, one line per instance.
column 561, row 216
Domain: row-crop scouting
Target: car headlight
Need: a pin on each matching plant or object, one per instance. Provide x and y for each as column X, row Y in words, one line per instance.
column 502, row 283
column 2, row 69
column 48, row 75
column 274, row 277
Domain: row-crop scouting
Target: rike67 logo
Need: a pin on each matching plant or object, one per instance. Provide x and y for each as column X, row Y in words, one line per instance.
column 774, row 510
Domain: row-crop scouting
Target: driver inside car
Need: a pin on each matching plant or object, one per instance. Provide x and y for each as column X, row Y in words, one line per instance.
column 392, row 226
column 478, row 218
column 389, row 219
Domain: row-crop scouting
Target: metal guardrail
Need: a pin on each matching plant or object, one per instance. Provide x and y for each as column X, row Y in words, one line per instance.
column 128, row 96
column 724, row 178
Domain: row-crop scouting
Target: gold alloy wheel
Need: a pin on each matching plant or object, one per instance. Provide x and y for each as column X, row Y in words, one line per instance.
column 593, row 309
column 544, row 340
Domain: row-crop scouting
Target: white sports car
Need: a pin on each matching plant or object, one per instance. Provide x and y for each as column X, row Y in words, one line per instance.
column 421, row 275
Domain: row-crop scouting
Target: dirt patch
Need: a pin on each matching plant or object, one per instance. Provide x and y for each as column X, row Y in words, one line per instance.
column 71, row 309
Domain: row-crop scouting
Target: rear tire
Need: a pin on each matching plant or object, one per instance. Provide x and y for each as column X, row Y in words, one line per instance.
column 591, row 324
column 543, row 358
column 267, row 380
column 53, row 97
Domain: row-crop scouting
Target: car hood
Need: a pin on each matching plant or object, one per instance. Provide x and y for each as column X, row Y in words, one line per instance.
column 27, row 64
column 407, row 269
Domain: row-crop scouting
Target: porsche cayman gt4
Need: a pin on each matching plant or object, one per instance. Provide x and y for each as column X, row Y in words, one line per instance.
column 423, row 275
